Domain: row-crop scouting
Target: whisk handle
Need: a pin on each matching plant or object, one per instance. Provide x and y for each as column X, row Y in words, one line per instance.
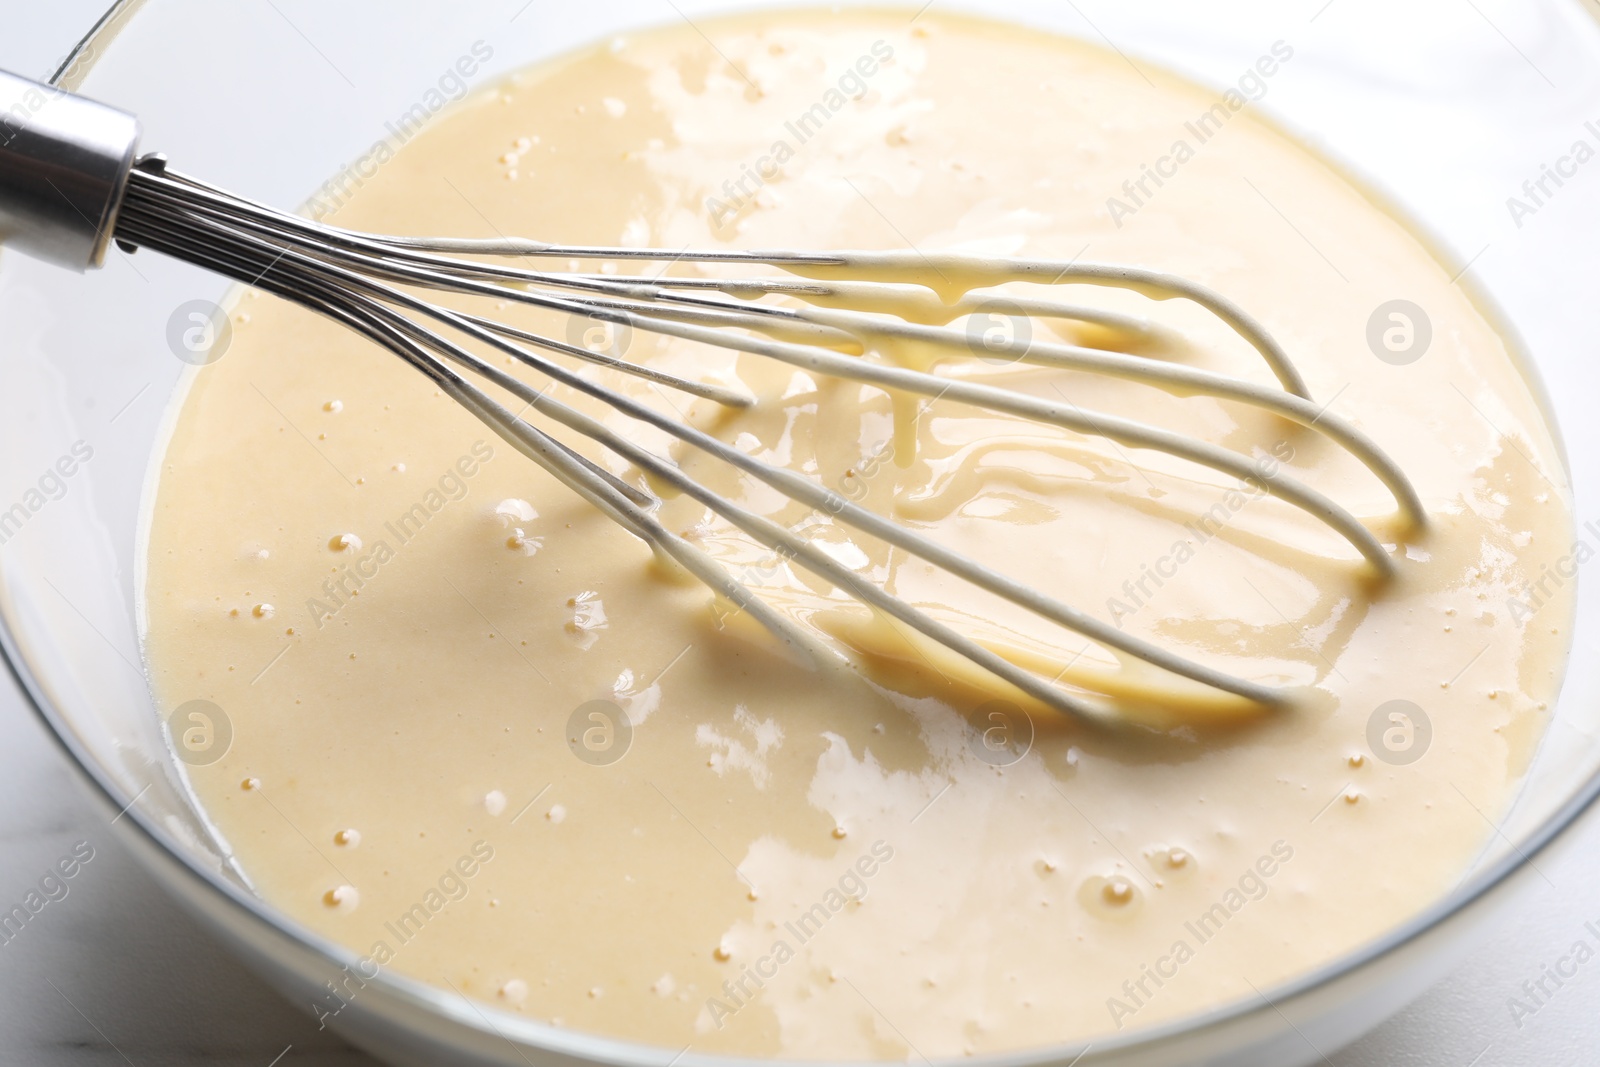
column 64, row 165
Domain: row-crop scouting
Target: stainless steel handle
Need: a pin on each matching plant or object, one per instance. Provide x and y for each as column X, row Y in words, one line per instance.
column 64, row 164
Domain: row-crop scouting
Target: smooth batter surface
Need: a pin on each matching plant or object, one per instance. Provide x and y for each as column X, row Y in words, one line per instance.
column 399, row 615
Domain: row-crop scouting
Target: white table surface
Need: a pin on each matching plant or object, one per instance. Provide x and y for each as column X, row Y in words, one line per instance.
column 116, row 974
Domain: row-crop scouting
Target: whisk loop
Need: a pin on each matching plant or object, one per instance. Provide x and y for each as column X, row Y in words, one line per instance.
column 839, row 312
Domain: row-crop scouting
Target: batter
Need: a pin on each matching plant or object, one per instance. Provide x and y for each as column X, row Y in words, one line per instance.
column 480, row 737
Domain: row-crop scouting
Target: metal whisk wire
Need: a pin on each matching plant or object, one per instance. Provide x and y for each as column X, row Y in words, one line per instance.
column 844, row 313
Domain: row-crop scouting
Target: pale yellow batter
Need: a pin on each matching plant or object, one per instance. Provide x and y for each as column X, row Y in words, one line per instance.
column 399, row 615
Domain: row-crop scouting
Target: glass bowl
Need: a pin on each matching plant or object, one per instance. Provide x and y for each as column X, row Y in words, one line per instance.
column 1441, row 109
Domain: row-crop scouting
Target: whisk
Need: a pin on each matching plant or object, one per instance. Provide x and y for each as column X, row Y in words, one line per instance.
column 71, row 183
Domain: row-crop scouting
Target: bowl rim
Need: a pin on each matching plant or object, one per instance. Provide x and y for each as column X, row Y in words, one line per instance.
column 493, row 1022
